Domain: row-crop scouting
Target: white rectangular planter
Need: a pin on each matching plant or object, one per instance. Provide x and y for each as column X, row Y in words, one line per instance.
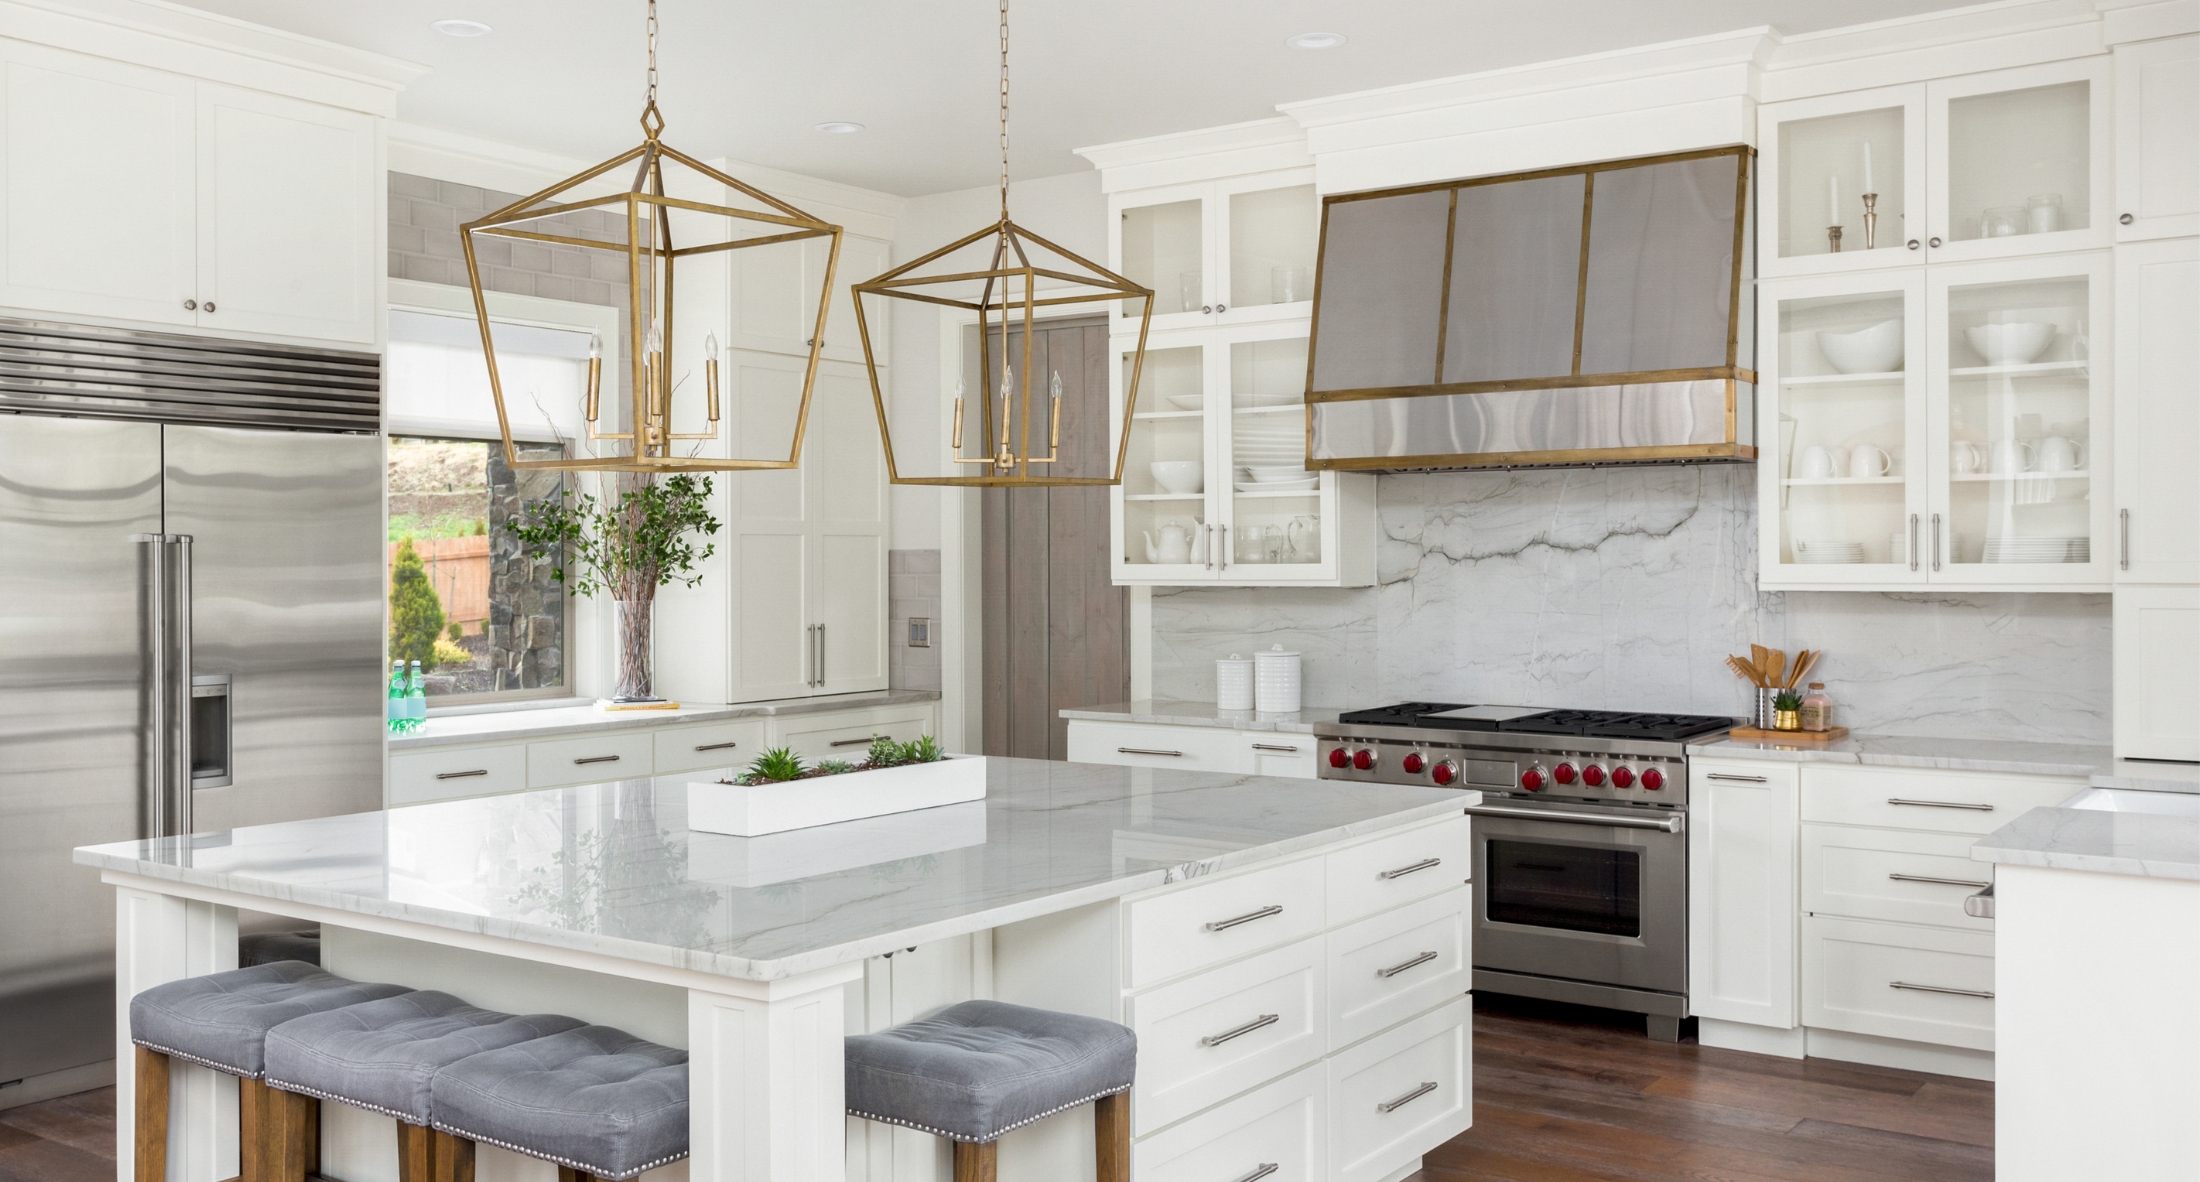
column 753, row 862
column 751, row 810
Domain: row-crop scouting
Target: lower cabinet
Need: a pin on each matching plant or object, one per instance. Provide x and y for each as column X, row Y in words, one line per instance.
column 1396, row 1095
column 1741, row 891
column 447, row 773
column 1192, row 748
column 1897, row 980
column 2157, row 699
column 1279, row 1133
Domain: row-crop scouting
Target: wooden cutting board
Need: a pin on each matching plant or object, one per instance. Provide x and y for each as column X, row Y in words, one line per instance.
column 1750, row 734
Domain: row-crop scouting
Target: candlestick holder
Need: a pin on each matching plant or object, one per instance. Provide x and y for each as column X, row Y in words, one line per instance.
column 1871, row 221
column 1833, row 238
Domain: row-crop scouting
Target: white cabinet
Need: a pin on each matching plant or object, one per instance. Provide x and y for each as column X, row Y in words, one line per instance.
column 135, row 194
column 848, row 734
column 2158, row 138
column 1742, row 891
column 1897, row 980
column 2157, row 698
column 1395, row 1095
column 1234, row 251
column 2158, row 412
column 1192, row 748
column 590, row 759
column 775, row 290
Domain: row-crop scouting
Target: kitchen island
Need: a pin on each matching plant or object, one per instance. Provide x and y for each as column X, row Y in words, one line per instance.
column 1074, row 887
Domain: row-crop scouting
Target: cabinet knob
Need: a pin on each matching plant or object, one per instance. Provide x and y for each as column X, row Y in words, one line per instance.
column 1222, row 307
column 1207, row 309
column 1932, row 242
column 209, row 306
column 2124, row 220
column 190, row 305
column 1913, row 244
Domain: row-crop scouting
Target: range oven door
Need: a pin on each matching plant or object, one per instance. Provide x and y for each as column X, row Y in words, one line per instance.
column 1582, row 893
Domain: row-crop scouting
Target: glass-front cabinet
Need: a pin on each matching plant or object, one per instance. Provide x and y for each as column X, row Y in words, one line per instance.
column 1217, row 253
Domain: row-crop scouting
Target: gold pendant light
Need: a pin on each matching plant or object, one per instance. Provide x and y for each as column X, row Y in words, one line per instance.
column 651, row 251
column 1007, row 454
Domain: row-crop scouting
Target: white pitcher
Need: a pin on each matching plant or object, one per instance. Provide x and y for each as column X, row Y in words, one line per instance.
column 1175, row 545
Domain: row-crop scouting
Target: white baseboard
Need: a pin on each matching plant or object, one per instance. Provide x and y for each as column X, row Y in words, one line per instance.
column 66, row 1082
column 1759, row 1040
column 1407, row 1171
column 1901, row 1053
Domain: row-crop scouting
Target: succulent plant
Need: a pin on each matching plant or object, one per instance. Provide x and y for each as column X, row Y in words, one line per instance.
column 884, row 752
column 776, row 765
column 1788, row 700
column 922, row 750
column 833, row 767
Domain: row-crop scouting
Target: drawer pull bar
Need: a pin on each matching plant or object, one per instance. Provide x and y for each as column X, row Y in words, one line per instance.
column 862, row 742
column 1221, row 925
column 1734, row 779
column 1283, row 747
column 716, row 746
column 1976, row 886
column 1402, row 871
column 479, row 771
column 1147, row 751
column 1988, row 994
column 1216, row 1040
column 1941, row 804
column 597, row 759
column 1261, row 1171
column 1426, row 1087
column 1396, row 969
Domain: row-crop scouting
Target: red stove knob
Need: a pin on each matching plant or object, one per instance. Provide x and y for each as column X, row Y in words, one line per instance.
column 1445, row 772
column 1363, row 759
column 1532, row 779
column 1413, row 763
column 1592, row 775
column 1563, row 773
column 1622, row 776
column 1653, row 779
column 1339, row 757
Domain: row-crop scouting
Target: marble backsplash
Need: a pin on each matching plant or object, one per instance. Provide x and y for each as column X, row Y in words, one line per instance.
column 1622, row 588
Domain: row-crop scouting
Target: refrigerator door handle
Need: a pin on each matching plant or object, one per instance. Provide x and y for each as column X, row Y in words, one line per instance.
column 152, row 805
column 179, row 716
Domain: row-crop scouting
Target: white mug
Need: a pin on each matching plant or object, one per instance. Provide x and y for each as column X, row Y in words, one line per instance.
column 2010, row 455
column 1868, row 461
column 2058, row 454
column 1815, row 464
column 1964, row 458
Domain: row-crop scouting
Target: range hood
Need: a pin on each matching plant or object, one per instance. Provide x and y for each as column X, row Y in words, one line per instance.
column 1570, row 317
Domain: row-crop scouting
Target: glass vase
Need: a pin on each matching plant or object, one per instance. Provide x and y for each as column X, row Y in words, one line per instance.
column 633, row 651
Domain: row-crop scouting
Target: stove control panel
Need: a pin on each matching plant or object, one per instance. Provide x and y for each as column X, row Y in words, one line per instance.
column 1554, row 773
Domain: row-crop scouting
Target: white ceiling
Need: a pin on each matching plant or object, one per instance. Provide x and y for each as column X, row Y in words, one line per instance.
column 750, row 80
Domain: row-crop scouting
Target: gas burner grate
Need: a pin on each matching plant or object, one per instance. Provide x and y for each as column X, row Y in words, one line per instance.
column 1613, row 724
column 1402, row 714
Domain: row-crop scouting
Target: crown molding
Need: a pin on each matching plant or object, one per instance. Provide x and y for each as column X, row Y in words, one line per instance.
column 1234, row 149
column 1971, row 40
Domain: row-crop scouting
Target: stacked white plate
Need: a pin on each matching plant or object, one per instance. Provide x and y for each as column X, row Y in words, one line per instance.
column 2029, row 550
column 1272, row 457
column 1829, row 552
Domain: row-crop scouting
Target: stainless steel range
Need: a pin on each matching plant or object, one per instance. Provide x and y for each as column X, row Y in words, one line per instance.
column 1581, row 847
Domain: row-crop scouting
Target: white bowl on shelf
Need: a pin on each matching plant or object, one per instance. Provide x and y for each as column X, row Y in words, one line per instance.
column 1179, row 476
column 1877, row 349
column 2010, row 344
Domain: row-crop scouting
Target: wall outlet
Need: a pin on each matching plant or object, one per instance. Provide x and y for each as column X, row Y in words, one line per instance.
column 920, row 632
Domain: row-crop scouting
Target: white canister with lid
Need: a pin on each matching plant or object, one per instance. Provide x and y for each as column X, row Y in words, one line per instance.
column 1276, row 681
column 1234, row 683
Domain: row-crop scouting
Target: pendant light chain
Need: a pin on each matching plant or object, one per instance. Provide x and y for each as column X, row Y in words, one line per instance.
column 1004, row 109
column 649, row 109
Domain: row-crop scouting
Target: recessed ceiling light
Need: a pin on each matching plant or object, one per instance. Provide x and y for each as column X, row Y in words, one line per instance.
column 839, row 128
column 458, row 28
column 1315, row 41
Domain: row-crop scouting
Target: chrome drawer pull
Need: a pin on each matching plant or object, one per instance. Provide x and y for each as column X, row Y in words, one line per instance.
column 862, row 742
column 1261, row 1171
column 1288, row 750
column 1735, row 779
column 598, row 759
column 1941, row 804
column 1226, row 924
column 1147, row 751
column 1394, row 1105
column 1988, row 994
column 1396, row 969
column 1216, row 1040
column 1980, row 905
column 1976, row 886
column 479, row 771
column 1402, row 871
column 716, row 746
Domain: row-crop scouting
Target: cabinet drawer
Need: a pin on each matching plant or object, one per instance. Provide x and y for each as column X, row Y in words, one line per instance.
column 1383, row 1109
column 721, row 744
column 1897, row 981
column 1928, row 801
column 417, row 777
column 1186, row 928
column 1399, row 869
column 1184, row 748
column 1892, row 874
column 1211, row 1036
column 1386, row 969
column 590, row 759
column 1706, row 773
column 847, row 736
column 1286, row 754
column 1282, row 1129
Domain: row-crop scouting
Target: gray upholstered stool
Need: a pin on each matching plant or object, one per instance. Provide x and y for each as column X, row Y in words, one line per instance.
column 221, row 1021
column 979, row 1069
column 599, row 1102
column 383, row 1056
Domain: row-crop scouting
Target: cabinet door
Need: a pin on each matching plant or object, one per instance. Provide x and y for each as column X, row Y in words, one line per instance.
column 860, row 259
column 287, row 229
column 1814, row 175
column 846, row 467
column 1742, row 834
column 2157, row 639
column 2017, row 161
column 96, row 173
column 1160, row 241
column 768, row 535
column 1266, row 229
column 2158, row 138
column 1164, row 515
column 1277, row 513
column 2158, row 412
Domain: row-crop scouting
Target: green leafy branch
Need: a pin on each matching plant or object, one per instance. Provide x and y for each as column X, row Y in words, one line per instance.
column 631, row 546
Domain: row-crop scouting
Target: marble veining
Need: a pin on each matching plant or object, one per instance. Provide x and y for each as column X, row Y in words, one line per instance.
column 2145, row 845
column 548, row 722
column 613, row 869
column 1946, row 754
column 1205, row 714
column 2148, row 775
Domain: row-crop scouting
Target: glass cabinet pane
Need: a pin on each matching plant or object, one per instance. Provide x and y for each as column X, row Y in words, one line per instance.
column 2019, row 162
column 2020, row 477
column 1276, row 506
column 1272, row 239
column 1165, row 476
column 1844, row 471
column 1162, row 249
column 1826, row 166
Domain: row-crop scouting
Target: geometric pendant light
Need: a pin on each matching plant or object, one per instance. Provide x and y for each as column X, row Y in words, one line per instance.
column 1014, row 436
column 651, row 248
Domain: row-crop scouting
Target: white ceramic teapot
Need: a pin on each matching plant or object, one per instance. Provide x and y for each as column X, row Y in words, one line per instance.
column 1175, row 545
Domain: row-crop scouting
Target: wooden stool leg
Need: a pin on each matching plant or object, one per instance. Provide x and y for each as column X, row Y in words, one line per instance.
column 569, row 1174
column 150, row 1137
column 977, row 1161
column 255, row 1124
column 1111, row 1128
column 415, row 1153
column 289, row 1134
column 454, row 1158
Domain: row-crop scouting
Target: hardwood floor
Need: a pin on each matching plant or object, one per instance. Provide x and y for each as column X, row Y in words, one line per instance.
column 1561, row 1094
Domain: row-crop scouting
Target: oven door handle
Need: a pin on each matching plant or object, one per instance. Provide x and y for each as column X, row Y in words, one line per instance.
column 1670, row 824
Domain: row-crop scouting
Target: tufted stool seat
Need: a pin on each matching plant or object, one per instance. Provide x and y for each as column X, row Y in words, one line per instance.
column 221, row 1020
column 383, row 1056
column 979, row 1069
column 599, row 1102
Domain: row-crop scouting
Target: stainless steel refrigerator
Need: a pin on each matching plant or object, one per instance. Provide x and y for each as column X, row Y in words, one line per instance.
column 191, row 628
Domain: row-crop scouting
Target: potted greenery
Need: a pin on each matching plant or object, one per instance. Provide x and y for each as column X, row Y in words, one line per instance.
column 630, row 546
column 778, row 791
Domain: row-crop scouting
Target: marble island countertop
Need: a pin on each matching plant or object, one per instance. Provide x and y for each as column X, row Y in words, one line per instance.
column 542, row 722
column 1945, row 754
column 2146, row 833
column 613, row 868
column 1171, row 713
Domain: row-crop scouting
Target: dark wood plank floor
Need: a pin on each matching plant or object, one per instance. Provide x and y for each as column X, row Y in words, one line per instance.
column 1561, row 1095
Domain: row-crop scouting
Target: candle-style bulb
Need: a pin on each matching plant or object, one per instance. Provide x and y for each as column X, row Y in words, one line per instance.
column 595, row 346
column 710, row 346
column 656, row 341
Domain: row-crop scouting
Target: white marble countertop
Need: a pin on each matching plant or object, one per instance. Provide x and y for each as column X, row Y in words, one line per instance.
column 541, row 722
column 1170, row 713
column 2149, row 775
column 1966, row 755
column 612, row 868
column 2104, row 841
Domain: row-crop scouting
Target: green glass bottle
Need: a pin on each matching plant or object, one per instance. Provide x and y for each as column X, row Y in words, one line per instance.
column 416, row 701
column 396, row 712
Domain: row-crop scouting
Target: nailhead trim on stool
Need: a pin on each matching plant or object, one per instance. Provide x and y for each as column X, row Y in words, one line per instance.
column 594, row 1099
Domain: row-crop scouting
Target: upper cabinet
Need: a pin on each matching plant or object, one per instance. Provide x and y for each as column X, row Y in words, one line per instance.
column 133, row 194
column 775, row 296
column 1239, row 251
column 2158, row 138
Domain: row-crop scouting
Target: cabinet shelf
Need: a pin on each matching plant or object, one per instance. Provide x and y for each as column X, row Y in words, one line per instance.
column 1164, row 496
column 1846, row 379
column 1277, row 408
column 1831, row 480
column 1270, row 494
column 2002, row 477
column 1148, row 416
column 2034, row 369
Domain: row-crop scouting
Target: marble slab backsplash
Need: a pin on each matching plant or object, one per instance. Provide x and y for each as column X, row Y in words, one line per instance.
column 1622, row 588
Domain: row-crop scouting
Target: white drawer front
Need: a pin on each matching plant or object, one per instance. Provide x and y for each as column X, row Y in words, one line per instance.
column 1382, row 1111
column 1399, row 869
column 720, row 744
column 417, row 777
column 1388, row 968
column 1928, row 801
column 1278, row 754
column 1283, row 1125
column 1183, row 929
column 1184, row 748
column 838, row 736
column 1892, row 874
column 591, row 759
column 1191, row 1052
column 1895, row 981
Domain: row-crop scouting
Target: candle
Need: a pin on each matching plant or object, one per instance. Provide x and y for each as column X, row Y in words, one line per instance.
column 1833, row 200
column 1868, row 186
